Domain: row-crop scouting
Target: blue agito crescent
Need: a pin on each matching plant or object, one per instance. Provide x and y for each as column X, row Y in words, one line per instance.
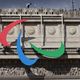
column 25, row 60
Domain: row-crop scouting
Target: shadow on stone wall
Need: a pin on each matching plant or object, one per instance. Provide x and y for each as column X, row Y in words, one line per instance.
column 42, row 69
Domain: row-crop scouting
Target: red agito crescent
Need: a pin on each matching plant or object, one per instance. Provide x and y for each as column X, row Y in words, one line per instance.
column 5, row 31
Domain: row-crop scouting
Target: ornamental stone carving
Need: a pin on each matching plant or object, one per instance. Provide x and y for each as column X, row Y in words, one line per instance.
column 72, row 31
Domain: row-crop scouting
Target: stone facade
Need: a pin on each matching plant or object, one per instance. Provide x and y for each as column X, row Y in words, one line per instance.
column 46, row 28
column 43, row 69
column 29, row 11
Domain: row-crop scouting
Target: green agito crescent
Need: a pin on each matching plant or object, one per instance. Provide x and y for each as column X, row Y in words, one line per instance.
column 50, row 54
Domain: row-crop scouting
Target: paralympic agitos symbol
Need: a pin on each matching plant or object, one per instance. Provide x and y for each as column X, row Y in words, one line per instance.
column 25, row 60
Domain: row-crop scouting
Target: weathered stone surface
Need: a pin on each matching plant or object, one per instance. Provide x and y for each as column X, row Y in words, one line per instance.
column 30, row 11
column 43, row 68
